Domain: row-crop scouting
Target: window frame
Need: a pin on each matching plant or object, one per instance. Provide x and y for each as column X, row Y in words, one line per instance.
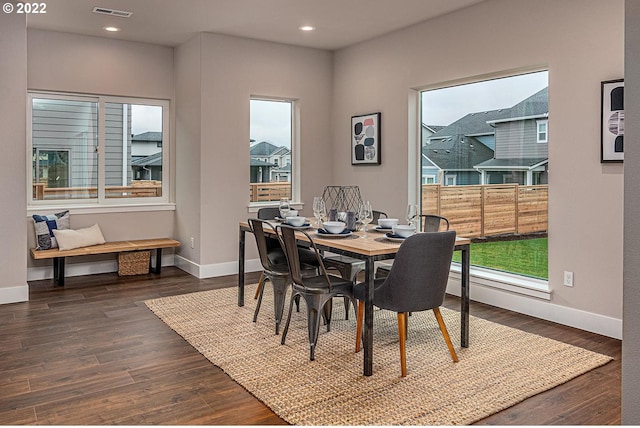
column 544, row 122
column 294, row 160
column 101, row 201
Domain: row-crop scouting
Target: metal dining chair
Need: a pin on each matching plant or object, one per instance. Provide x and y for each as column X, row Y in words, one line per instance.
column 430, row 223
column 277, row 272
column 377, row 215
column 417, row 282
column 317, row 290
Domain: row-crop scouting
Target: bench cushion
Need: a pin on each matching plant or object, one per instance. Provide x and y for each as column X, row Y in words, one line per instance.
column 70, row 239
column 45, row 225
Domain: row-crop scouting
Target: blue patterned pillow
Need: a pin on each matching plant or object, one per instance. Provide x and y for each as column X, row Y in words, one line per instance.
column 45, row 224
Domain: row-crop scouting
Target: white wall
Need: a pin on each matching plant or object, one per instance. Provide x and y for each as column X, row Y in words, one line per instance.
column 581, row 42
column 13, row 81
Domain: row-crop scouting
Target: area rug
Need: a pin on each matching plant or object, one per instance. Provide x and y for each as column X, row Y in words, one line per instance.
column 502, row 366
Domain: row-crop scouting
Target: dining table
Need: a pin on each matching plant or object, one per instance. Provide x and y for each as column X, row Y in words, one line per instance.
column 371, row 247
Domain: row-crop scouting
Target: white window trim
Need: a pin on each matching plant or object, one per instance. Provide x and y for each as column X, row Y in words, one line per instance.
column 546, row 133
column 295, row 155
column 109, row 204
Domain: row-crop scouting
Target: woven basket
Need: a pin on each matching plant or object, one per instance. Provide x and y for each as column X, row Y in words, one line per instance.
column 133, row 262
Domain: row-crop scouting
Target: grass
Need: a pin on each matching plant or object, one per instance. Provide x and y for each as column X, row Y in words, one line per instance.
column 524, row 257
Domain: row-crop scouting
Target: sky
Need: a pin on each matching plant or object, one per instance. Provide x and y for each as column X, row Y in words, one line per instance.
column 271, row 121
column 446, row 105
column 145, row 118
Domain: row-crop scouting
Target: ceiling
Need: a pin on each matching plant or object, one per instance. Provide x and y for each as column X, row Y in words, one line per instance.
column 339, row 23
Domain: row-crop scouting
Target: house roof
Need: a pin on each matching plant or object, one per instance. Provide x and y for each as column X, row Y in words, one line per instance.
column 262, row 148
column 457, row 152
column 477, row 123
column 151, row 160
column 258, row 162
column 513, row 163
column 148, row 136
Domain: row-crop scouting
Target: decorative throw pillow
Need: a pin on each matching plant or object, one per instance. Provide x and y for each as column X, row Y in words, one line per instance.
column 44, row 226
column 70, row 239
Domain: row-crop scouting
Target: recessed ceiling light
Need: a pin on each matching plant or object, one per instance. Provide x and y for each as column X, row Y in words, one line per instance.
column 306, row 28
column 111, row 29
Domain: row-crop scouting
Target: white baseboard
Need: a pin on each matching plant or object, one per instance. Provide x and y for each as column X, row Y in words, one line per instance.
column 540, row 308
column 18, row 293
column 216, row 269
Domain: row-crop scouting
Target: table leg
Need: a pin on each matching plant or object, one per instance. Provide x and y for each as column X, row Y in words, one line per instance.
column 464, row 298
column 241, row 244
column 58, row 271
column 368, row 318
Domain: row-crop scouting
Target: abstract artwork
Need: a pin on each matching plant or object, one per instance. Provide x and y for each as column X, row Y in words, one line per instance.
column 612, row 121
column 365, row 139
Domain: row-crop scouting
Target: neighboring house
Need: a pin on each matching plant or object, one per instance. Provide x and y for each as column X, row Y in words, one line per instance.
column 146, row 155
column 507, row 145
column 269, row 163
column 521, row 144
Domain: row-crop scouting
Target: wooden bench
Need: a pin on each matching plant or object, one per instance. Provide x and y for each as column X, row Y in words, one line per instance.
column 59, row 256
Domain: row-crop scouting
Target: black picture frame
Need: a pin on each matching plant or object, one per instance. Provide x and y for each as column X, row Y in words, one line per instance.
column 366, row 139
column 612, row 121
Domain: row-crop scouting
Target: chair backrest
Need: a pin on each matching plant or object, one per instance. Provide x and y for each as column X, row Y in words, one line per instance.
column 377, row 215
column 262, row 241
column 287, row 236
column 268, row 213
column 434, row 223
column 419, row 275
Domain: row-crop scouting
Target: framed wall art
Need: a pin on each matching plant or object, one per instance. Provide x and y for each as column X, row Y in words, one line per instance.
column 612, row 121
column 365, row 139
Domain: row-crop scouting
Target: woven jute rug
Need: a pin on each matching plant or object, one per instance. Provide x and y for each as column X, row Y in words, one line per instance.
column 502, row 366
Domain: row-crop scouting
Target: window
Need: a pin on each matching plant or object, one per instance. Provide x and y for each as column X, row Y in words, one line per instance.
column 271, row 146
column 97, row 149
column 542, row 130
column 495, row 187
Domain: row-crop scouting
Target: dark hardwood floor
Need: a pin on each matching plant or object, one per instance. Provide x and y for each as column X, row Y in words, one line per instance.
column 91, row 353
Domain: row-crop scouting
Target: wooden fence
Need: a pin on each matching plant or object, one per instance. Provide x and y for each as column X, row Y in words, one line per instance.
column 138, row 189
column 489, row 210
column 269, row 191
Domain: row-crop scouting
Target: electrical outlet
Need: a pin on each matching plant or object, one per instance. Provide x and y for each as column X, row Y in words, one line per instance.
column 193, row 243
column 568, row 278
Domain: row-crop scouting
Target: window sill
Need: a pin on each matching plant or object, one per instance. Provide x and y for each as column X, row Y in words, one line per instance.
column 100, row 209
column 519, row 284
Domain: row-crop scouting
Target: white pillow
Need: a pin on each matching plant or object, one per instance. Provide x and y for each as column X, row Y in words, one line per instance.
column 70, row 239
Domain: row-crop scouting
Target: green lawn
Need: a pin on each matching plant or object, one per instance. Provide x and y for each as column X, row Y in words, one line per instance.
column 525, row 257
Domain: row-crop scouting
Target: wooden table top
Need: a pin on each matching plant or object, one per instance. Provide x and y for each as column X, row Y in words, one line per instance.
column 374, row 244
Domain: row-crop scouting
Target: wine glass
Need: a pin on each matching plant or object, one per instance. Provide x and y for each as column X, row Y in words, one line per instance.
column 319, row 210
column 412, row 213
column 284, row 207
column 365, row 215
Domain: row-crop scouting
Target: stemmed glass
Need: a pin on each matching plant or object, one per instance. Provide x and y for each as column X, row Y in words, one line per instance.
column 412, row 213
column 319, row 210
column 284, row 207
column 365, row 215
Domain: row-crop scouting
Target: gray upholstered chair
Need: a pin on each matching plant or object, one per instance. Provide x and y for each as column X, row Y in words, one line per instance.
column 317, row 290
column 417, row 282
column 430, row 223
column 276, row 273
column 377, row 215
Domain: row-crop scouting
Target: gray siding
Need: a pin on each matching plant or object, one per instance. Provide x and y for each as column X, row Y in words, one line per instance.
column 518, row 140
column 71, row 126
column 114, row 122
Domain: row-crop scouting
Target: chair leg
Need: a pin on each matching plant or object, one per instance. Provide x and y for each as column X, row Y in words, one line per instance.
column 346, row 308
column 359, row 318
column 445, row 334
column 327, row 311
column 402, row 334
column 260, row 293
column 260, row 286
column 280, row 286
column 286, row 326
